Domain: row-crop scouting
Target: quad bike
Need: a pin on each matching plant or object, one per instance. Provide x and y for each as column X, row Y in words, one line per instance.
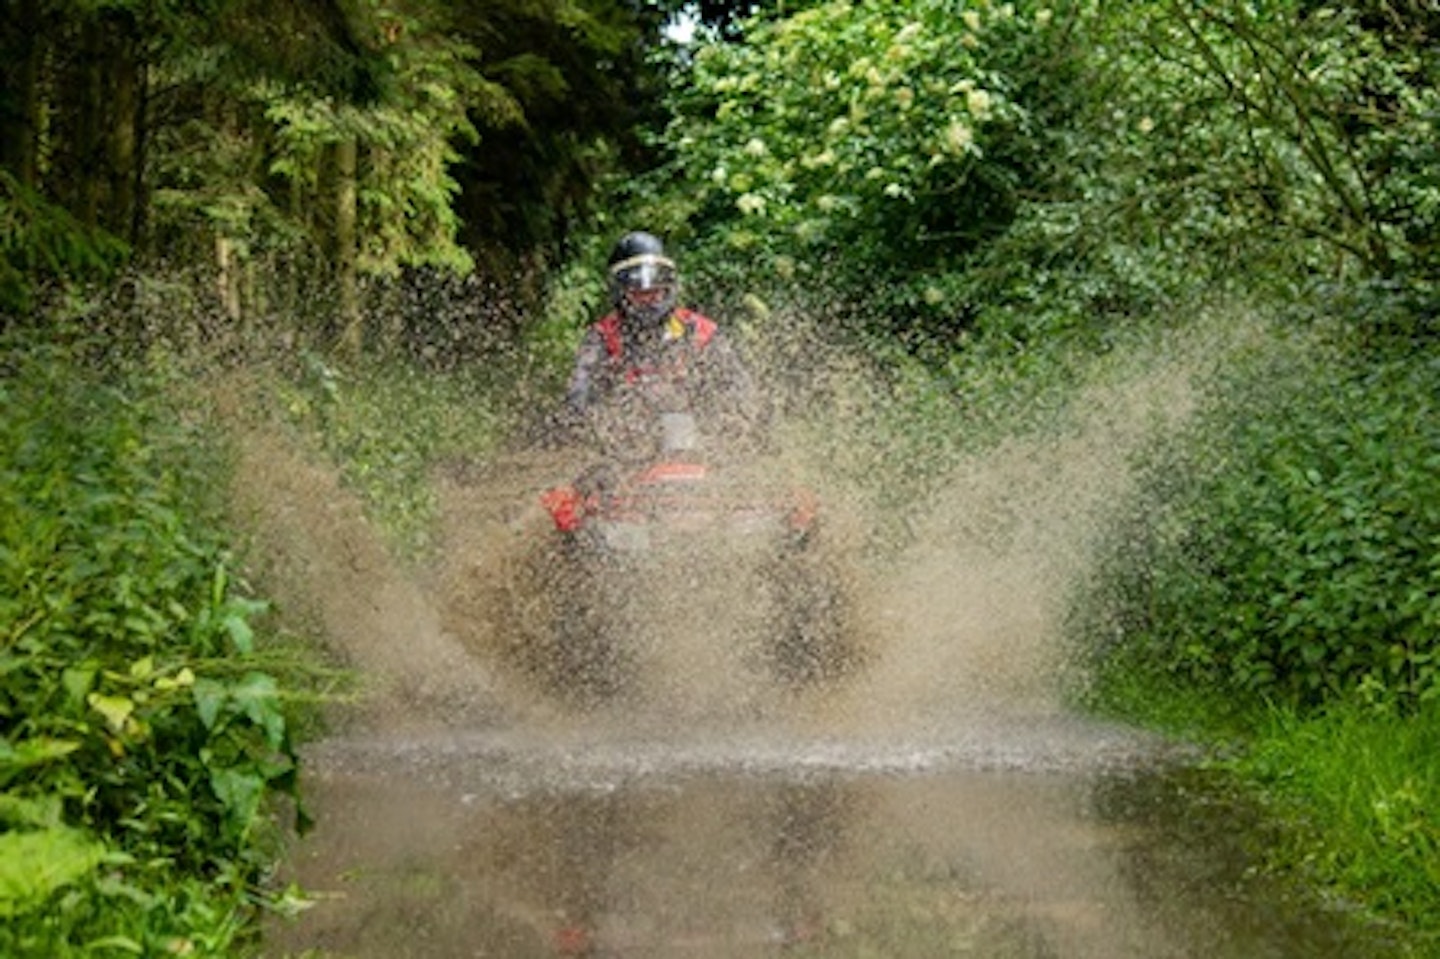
column 672, row 554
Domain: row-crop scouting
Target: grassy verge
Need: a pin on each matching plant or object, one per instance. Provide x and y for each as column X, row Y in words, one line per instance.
column 1349, row 792
column 1358, row 793
column 145, row 719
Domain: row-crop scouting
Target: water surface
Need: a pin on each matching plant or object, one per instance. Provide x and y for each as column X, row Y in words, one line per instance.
column 1039, row 836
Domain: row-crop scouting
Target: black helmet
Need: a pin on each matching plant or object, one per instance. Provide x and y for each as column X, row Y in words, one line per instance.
column 643, row 282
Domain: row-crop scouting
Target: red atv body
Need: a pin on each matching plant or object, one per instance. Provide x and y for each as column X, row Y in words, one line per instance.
column 676, row 554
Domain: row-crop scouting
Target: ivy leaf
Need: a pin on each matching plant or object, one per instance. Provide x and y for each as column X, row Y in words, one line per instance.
column 210, row 697
column 258, row 698
column 239, row 791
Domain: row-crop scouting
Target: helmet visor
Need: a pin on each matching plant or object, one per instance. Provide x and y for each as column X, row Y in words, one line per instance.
column 645, row 272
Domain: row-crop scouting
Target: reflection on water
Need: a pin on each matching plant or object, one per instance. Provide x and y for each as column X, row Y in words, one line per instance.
column 939, row 862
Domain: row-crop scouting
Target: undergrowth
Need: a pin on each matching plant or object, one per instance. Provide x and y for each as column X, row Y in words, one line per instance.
column 1274, row 593
column 144, row 724
column 389, row 426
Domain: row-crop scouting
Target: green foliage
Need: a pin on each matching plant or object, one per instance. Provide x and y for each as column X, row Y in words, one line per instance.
column 1287, row 550
column 1356, row 793
column 1021, row 171
column 582, row 91
column 260, row 173
column 226, row 130
column 1323, row 129
column 316, row 45
column 410, row 137
column 1272, row 593
column 884, row 141
column 40, row 242
column 389, row 426
column 141, row 732
column 1223, row 146
column 36, row 862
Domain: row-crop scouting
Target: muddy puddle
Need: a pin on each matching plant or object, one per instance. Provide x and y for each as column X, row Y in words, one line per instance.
column 1019, row 837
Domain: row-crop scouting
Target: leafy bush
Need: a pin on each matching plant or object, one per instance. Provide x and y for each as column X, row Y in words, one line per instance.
column 388, row 424
column 40, row 242
column 1287, row 548
column 871, row 142
column 1020, row 170
column 1313, row 121
column 139, row 735
column 1221, row 146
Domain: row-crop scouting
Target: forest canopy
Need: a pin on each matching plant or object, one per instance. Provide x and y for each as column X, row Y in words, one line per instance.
column 359, row 137
column 980, row 156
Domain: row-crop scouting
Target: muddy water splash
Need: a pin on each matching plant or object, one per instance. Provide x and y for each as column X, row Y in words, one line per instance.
column 326, row 567
column 938, row 802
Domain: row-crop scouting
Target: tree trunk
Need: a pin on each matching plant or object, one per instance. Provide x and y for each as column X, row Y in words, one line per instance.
column 124, row 88
column 19, row 145
column 346, row 193
column 227, row 277
column 90, row 154
column 139, row 194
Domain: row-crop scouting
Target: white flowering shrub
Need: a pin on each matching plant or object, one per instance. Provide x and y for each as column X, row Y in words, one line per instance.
column 887, row 131
column 1022, row 170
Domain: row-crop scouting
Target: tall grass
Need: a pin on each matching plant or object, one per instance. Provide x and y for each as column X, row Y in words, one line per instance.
column 1358, row 792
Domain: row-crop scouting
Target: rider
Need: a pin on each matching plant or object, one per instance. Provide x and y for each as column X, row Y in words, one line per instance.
column 650, row 350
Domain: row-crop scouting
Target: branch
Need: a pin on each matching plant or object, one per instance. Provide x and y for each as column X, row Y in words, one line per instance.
column 1276, row 71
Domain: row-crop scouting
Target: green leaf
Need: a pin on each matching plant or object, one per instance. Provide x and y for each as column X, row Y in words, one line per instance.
column 115, row 709
column 210, row 697
column 239, row 791
column 33, row 752
column 185, row 677
column 77, row 682
column 219, row 582
column 240, row 633
column 258, row 699
column 46, row 811
column 235, row 618
column 123, row 943
column 34, row 863
column 143, row 669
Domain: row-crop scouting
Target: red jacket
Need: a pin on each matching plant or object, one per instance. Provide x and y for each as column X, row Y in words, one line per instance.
column 602, row 362
column 697, row 328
